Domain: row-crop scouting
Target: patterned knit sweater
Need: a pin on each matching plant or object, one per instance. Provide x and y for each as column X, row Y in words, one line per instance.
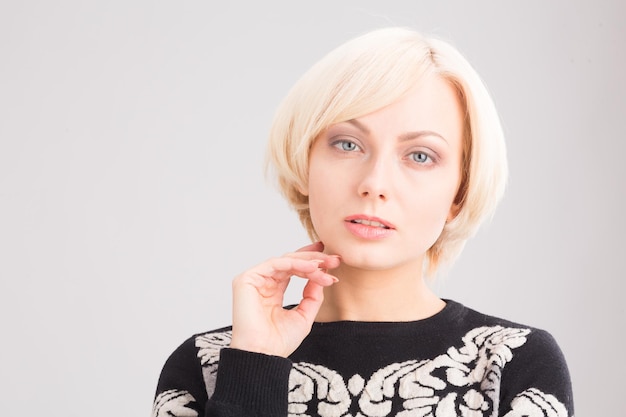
column 456, row 363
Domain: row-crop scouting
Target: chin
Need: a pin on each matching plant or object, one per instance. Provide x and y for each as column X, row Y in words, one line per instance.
column 369, row 259
column 375, row 257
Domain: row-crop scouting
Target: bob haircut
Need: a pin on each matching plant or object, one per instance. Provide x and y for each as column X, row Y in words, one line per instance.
column 368, row 73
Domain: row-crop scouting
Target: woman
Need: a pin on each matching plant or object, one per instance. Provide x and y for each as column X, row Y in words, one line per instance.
column 391, row 151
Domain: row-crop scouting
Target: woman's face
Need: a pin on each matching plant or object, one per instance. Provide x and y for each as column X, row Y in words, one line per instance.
column 382, row 186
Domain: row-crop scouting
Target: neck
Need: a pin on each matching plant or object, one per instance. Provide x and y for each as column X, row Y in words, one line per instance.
column 390, row 295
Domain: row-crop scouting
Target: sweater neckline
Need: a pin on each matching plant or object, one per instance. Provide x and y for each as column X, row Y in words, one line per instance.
column 451, row 311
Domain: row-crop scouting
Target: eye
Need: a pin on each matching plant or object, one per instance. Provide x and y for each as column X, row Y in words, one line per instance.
column 420, row 157
column 346, row 145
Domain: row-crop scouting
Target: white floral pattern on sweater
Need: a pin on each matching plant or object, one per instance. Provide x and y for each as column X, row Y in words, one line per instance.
column 475, row 368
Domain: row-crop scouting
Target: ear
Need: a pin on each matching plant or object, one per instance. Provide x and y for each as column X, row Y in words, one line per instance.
column 302, row 189
column 455, row 209
column 459, row 200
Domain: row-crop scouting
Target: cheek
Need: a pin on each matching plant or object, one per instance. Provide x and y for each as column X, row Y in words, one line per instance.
column 318, row 194
column 329, row 194
column 433, row 209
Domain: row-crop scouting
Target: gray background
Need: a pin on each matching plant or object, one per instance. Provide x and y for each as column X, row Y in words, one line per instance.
column 131, row 188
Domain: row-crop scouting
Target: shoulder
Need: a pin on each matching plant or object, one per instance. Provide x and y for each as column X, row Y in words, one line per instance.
column 204, row 346
column 534, row 338
column 190, row 360
column 531, row 367
column 528, row 341
column 187, row 377
column 475, row 317
column 209, row 344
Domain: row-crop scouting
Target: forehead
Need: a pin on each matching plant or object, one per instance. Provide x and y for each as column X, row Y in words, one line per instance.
column 431, row 105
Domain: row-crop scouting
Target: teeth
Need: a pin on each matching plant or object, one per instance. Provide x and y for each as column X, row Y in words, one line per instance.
column 370, row 223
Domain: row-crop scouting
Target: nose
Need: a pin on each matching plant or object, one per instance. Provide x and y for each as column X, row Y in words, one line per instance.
column 375, row 180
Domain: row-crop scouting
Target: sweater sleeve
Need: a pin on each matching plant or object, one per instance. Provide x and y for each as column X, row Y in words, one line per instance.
column 245, row 384
column 537, row 381
column 250, row 384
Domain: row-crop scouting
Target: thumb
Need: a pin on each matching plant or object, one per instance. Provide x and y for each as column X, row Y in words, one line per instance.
column 312, row 298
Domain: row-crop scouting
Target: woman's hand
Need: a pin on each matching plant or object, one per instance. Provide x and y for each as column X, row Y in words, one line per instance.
column 260, row 323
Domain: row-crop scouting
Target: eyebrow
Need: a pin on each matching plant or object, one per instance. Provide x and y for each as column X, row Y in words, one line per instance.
column 403, row 137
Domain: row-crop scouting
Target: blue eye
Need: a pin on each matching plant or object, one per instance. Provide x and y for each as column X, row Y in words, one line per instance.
column 346, row 145
column 420, row 157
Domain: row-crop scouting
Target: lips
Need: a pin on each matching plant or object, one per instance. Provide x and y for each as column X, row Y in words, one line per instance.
column 370, row 221
column 367, row 228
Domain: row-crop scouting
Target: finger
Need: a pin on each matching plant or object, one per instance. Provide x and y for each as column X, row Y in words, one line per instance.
column 275, row 273
column 321, row 277
column 312, row 297
column 326, row 261
column 313, row 270
column 300, row 264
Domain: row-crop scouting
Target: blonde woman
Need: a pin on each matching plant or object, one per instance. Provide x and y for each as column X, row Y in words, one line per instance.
column 391, row 151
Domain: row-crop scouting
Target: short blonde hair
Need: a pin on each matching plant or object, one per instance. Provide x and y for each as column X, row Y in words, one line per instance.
column 368, row 73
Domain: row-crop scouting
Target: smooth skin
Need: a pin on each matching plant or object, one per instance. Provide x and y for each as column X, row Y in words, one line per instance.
column 381, row 188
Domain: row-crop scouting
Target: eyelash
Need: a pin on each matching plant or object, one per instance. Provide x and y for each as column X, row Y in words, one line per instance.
column 341, row 143
column 429, row 159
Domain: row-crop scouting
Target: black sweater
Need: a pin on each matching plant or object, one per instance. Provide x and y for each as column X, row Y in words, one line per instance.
column 456, row 363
